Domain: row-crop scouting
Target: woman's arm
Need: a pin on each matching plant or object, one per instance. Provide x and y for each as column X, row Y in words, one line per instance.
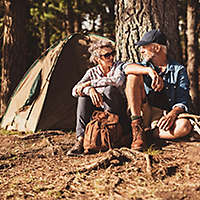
column 83, row 83
column 117, row 79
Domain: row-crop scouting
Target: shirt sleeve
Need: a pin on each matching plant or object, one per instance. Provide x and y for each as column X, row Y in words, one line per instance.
column 117, row 79
column 182, row 91
column 85, row 78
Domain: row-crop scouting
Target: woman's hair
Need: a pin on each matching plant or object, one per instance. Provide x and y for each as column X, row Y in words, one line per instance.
column 95, row 48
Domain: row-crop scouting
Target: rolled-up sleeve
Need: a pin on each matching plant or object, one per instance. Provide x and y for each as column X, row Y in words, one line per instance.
column 115, row 77
column 85, row 78
column 182, row 96
column 116, row 80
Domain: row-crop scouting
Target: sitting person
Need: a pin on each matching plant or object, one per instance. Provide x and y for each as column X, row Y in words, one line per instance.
column 158, row 80
column 164, row 85
column 101, row 88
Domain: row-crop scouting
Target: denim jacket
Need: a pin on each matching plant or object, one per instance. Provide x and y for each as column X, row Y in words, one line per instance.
column 176, row 84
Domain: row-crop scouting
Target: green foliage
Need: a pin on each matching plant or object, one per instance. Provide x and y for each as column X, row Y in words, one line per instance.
column 49, row 19
column 48, row 14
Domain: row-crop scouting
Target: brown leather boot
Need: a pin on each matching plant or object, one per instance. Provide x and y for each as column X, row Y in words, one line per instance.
column 138, row 134
column 77, row 148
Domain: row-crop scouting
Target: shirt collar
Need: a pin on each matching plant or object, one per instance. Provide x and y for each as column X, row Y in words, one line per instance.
column 101, row 73
column 99, row 70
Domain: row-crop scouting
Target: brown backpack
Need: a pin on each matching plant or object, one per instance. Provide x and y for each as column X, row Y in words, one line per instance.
column 103, row 132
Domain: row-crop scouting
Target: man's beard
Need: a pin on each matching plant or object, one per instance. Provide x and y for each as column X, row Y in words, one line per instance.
column 148, row 58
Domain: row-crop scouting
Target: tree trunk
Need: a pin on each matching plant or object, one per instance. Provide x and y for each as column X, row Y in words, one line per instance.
column 77, row 20
column 45, row 37
column 70, row 18
column 14, row 51
column 192, row 49
column 135, row 17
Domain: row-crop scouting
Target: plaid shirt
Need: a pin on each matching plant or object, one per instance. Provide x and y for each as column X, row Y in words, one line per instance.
column 115, row 77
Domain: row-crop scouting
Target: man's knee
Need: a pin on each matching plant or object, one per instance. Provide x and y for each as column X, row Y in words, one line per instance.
column 134, row 83
column 132, row 79
column 183, row 127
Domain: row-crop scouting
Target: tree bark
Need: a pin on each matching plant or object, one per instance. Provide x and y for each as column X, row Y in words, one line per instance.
column 45, row 37
column 192, row 49
column 70, row 18
column 14, row 50
column 135, row 17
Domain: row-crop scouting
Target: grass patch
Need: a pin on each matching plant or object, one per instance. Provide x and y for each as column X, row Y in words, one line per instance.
column 152, row 151
column 6, row 132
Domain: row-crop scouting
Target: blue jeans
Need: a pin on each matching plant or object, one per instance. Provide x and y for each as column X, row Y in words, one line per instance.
column 113, row 101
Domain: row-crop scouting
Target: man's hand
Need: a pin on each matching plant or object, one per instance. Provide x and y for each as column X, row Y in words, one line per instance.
column 96, row 97
column 157, row 81
column 166, row 122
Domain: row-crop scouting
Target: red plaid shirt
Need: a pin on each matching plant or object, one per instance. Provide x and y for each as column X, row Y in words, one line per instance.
column 115, row 77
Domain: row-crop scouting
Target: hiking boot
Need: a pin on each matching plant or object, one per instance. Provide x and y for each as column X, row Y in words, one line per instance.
column 76, row 149
column 138, row 134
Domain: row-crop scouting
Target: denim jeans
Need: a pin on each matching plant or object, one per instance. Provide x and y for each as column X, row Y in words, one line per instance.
column 113, row 101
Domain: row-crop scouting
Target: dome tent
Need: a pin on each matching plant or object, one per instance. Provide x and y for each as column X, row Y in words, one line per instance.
column 42, row 99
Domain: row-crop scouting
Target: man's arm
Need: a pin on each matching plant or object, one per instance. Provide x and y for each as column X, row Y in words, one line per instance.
column 181, row 101
column 182, row 90
column 136, row 69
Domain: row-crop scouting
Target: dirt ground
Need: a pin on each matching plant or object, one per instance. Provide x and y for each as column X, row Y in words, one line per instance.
column 35, row 166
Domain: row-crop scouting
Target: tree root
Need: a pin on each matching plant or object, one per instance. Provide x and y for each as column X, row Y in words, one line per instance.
column 122, row 154
column 42, row 134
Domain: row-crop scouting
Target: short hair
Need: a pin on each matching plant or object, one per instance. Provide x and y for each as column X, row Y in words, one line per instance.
column 95, row 48
column 164, row 48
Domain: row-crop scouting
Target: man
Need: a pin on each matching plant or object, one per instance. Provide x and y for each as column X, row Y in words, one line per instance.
column 161, row 82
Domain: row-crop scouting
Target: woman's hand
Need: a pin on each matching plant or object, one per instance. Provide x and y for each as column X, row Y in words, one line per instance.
column 96, row 97
column 81, row 86
column 157, row 81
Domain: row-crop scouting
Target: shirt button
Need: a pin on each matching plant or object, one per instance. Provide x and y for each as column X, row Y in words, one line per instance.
column 169, row 99
column 166, row 88
column 174, row 86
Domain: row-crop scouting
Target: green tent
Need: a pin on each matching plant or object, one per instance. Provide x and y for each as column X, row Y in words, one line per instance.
column 43, row 100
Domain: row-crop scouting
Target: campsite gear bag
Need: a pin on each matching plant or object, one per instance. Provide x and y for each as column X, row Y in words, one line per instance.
column 103, row 132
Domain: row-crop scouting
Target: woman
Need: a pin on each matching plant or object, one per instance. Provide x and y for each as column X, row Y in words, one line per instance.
column 101, row 88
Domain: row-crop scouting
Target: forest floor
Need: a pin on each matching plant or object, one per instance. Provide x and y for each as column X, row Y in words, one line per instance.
column 35, row 166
